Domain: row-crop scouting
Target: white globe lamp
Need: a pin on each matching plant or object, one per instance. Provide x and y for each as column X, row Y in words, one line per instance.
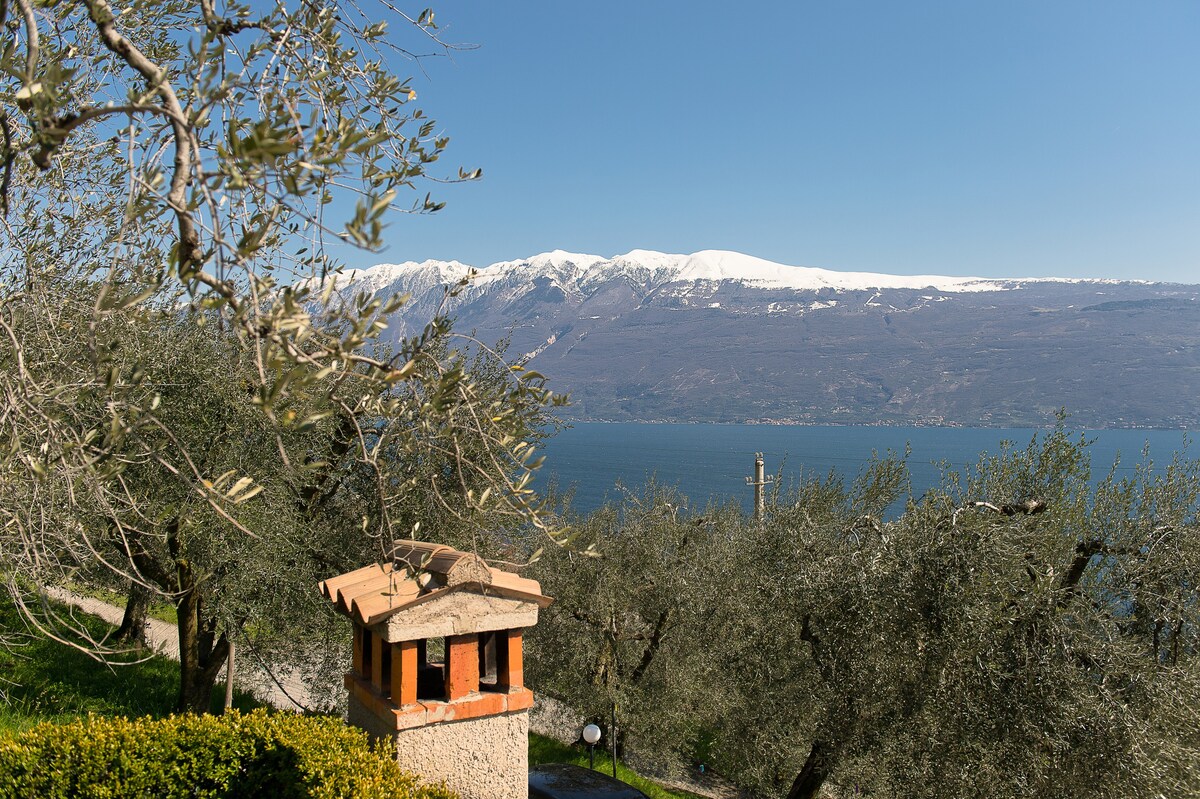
column 591, row 734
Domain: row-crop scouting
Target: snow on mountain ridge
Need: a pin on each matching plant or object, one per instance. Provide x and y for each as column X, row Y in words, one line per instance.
column 650, row 259
column 569, row 271
column 380, row 276
column 724, row 265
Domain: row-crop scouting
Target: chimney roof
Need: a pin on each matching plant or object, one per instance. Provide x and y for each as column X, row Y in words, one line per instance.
column 420, row 572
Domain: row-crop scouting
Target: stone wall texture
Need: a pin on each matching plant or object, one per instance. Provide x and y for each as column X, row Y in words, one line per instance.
column 459, row 613
column 555, row 719
column 480, row 758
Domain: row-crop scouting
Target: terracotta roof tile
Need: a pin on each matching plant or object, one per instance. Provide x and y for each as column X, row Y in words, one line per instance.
column 371, row 594
column 508, row 581
column 453, row 566
column 342, row 590
column 382, row 599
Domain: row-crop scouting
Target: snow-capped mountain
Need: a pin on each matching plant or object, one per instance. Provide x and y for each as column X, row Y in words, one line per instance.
column 723, row 336
column 653, row 269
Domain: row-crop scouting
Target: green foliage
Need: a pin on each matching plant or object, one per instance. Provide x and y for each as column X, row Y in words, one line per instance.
column 627, row 627
column 44, row 680
column 189, row 401
column 1024, row 630
column 234, row 517
column 547, row 750
column 233, row 755
column 995, row 640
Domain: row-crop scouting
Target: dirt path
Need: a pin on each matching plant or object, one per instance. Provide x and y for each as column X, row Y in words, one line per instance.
column 163, row 638
column 550, row 717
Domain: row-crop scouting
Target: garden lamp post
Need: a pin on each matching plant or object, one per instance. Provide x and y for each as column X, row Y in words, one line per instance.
column 591, row 734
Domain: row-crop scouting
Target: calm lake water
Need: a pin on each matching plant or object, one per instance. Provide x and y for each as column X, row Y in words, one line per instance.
column 712, row 460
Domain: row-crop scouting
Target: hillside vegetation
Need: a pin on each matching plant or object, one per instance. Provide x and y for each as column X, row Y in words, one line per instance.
column 1022, row 630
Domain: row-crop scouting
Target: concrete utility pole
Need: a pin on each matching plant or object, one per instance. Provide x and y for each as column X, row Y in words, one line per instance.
column 759, row 480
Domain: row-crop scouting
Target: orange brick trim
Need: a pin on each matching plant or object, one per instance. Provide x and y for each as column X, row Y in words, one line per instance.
column 410, row 716
column 509, row 670
column 462, row 654
column 363, row 691
column 418, row 714
column 519, row 699
column 381, row 661
column 473, row 708
column 404, row 673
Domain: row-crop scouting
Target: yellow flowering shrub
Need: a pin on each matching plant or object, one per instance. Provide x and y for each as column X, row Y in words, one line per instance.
column 203, row 757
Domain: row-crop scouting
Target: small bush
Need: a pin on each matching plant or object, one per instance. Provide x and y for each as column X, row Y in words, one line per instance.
column 234, row 755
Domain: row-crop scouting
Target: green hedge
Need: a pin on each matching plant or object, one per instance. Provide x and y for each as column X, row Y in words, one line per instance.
column 233, row 755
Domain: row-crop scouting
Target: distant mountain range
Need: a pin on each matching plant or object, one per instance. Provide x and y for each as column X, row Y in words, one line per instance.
column 724, row 337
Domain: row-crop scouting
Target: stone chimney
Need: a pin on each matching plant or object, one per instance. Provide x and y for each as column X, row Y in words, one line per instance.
column 437, row 665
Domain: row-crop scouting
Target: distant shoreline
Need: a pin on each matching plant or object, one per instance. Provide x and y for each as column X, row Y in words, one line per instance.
column 710, row 460
column 939, row 425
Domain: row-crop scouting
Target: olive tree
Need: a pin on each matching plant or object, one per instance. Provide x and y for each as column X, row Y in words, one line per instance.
column 172, row 166
column 1026, row 629
column 1023, row 631
column 629, row 631
column 305, row 515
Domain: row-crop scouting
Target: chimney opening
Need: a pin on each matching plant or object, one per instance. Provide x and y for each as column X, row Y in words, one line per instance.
column 367, row 652
column 488, row 670
column 431, row 669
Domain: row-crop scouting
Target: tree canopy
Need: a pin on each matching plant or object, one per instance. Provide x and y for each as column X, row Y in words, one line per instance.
column 1027, row 629
column 189, row 399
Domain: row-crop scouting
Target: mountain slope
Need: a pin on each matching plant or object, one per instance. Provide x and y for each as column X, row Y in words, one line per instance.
column 721, row 336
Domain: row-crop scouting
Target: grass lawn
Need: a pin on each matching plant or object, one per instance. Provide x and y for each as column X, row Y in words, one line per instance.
column 548, row 750
column 42, row 680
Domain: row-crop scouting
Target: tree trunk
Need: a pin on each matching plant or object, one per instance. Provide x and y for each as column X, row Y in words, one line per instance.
column 817, row 768
column 201, row 654
column 137, row 612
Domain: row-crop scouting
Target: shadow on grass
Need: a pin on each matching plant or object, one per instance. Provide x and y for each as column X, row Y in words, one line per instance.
column 42, row 680
column 548, row 750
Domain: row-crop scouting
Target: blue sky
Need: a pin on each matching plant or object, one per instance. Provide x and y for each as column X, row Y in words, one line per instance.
column 968, row 138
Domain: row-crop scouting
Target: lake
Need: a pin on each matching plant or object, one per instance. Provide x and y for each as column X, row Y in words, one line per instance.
column 712, row 460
